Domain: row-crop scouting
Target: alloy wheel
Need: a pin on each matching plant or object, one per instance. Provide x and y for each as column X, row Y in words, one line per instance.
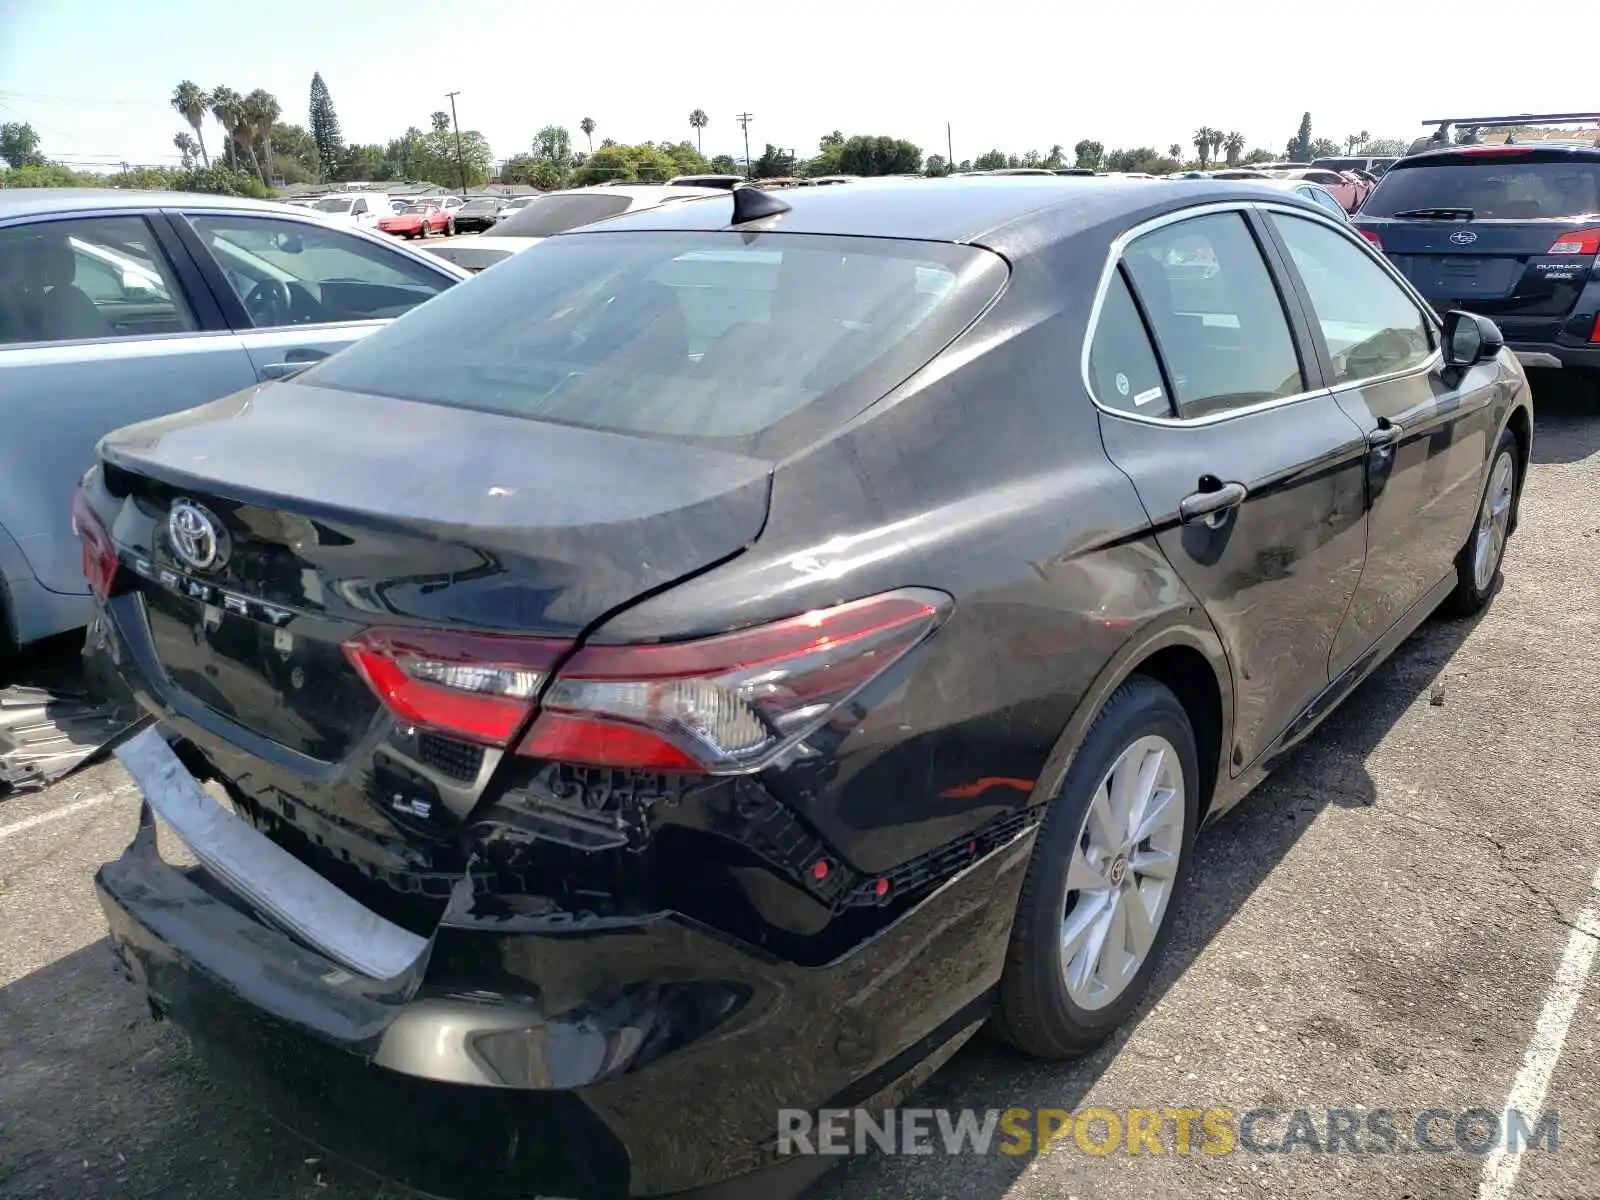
column 1494, row 520
column 1124, row 864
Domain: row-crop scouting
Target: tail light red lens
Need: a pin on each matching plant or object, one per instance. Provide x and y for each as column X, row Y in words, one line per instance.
column 1577, row 241
column 1372, row 237
column 481, row 687
column 99, row 552
column 728, row 704
column 1594, row 333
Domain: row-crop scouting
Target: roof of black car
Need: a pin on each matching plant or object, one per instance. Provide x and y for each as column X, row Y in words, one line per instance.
column 947, row 210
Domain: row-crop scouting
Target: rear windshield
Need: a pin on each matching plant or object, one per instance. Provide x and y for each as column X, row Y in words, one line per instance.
column 547, row 216
column 1507, row 191
column 334, row 206
column 716, row 338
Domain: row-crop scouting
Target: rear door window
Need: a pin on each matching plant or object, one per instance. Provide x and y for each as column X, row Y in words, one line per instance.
column 1218, row 320
column 89, row 278
column 713, row 337
column 1491, row 189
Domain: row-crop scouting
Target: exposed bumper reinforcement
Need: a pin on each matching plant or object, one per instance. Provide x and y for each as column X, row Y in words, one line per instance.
column 267, row 877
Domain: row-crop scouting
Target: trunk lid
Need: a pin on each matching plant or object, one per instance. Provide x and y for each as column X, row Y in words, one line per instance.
column 1492, row 267
column 334, row 511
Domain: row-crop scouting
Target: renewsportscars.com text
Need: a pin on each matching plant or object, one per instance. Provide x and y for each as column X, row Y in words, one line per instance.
column 1181, row 1131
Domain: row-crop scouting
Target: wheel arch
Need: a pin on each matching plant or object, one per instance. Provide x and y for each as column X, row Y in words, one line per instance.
column 1187, row 658
column 1520, row 423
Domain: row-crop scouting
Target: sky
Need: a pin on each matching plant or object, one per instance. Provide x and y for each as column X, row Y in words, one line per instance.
column 94, row 77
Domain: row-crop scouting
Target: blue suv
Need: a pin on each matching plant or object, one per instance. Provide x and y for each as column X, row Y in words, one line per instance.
column 1508, row 231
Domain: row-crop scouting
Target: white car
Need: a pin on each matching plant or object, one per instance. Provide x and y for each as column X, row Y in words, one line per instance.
column 556, row 212
column 361, row 209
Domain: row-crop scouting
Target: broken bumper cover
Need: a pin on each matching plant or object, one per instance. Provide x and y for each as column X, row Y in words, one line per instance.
column 508, row 1057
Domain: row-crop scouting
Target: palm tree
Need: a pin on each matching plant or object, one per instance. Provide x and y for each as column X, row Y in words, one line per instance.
column 1356, row 139
column 1202, row 143
column 1175, row 151
column 698, row 121
column 190, row 102
column 261, row 112
column 588, row 127
column 1217, row 137
column 228, row 109
column 1234, row 145
column 187, row 147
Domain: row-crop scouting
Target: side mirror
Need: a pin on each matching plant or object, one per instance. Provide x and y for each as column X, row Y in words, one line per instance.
column 1469, row 338
column 135, row 284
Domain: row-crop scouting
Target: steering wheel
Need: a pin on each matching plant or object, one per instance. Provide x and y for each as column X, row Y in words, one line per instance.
column 269, row 304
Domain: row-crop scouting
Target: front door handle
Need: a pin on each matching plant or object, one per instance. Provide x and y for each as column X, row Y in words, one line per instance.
column 295, row 361
column 1385, row 435
column 1214, row 501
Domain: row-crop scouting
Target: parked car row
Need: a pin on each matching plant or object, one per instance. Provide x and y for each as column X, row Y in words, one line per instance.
column 737, row 648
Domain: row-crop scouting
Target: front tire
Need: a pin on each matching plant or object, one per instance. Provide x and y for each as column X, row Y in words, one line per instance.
column 423, row 230
column 1108, row 864
column 1478, row 562
column 450, row 229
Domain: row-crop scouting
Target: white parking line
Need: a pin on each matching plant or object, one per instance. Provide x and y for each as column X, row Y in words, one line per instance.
column 1539, row 1062
column 55, row 814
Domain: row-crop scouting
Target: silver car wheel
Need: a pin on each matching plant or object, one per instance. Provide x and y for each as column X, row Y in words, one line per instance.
column 1494, row 520
column 1123, row 867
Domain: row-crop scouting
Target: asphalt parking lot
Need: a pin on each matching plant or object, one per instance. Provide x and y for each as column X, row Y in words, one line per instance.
column 1388, row 923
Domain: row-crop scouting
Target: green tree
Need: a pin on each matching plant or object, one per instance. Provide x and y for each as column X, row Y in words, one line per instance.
column 19, row 145
column 829, row 146
column 624, row 164
column 1354, row 140
column 774, row 163
column 1233, row 144
column 296, row 157
column 1217, row 138
column 1258, row 156
column 1323, row 148
column 588, row 126
column 325, row 128
column 518, row 169
column 1202, row 144
column 439, row 120
column 47, row 174
column 190, row 103
column 1175, row 150
column 1383, row 147
column 686, row 157
column 227, row 106
column 725, row 164
column 553, row 144
column 361, row 163
column 936, row 166
column 1087, row 154
column 261, row 112
column 991, row 160
column 697, row 122
column 1056, row 158
column 1300, row 144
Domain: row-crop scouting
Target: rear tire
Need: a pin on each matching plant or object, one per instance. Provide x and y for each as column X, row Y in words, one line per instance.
column 422, row 230
column 450, row 228
column 1478, row 562
column 1079, row 961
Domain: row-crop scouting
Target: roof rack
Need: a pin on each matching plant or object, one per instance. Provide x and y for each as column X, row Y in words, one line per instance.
column 1521, row 119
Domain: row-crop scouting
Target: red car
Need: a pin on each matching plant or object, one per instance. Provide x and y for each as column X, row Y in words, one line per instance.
column 419, row 221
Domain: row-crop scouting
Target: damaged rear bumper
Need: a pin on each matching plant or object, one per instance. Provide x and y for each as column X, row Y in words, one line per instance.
column 515, row 1056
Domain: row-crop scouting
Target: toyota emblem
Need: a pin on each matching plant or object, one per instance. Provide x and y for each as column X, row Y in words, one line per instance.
column 1463, row 237
column 196, row 535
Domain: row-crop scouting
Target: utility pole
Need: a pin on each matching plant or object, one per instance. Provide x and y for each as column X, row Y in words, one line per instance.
column 461, row 165
column 949, row 149
column 744, row 123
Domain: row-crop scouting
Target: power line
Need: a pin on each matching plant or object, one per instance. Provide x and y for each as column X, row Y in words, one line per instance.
column 86, row 101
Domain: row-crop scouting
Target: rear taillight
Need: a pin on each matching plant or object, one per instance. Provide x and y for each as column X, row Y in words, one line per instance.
column 728, row 704
column 1594, row 333
column 1577, row 241
column 478, row 686
column 99, row 553
column 1372, row 237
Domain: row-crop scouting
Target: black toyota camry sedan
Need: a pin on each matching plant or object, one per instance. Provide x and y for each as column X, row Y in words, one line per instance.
column 719, row 660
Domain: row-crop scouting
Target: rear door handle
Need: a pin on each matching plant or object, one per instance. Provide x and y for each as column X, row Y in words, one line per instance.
column 1211, row 503
column 1385, row 435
